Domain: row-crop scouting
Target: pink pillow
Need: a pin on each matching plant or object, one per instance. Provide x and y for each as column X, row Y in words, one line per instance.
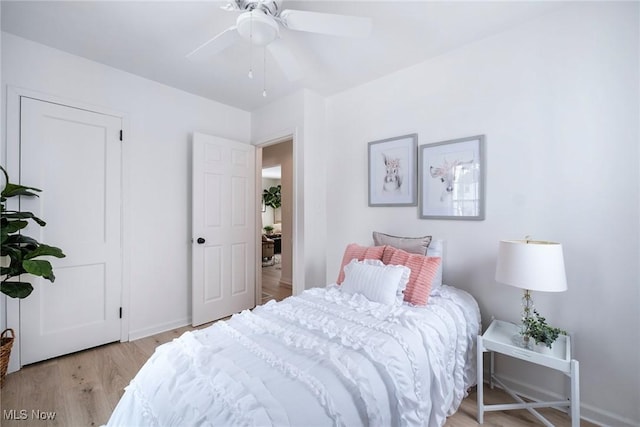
column 358, row 252
column 423, row 270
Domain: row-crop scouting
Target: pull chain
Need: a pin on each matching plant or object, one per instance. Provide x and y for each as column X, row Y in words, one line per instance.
column 251, row 46
column 264, row 81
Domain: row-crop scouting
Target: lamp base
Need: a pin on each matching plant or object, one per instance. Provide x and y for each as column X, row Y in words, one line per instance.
column 522, row 342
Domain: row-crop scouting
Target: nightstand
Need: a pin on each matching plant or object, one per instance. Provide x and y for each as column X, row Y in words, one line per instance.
column 498, row 338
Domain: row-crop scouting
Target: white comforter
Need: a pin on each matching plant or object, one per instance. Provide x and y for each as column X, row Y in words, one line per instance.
column 322, row 358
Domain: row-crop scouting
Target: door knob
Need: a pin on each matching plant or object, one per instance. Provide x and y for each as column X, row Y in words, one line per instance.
column 200, row 240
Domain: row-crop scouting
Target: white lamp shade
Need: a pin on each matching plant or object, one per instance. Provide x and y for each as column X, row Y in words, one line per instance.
column 530, row 264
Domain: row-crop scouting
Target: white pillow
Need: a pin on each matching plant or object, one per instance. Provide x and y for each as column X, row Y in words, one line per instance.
column 403, row 282
column 436, row 249
column 377, row 282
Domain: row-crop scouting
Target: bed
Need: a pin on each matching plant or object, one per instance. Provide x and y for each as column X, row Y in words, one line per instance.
column 328, row 356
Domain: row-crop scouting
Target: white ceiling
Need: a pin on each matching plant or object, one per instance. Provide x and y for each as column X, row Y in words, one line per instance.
column 151, row 39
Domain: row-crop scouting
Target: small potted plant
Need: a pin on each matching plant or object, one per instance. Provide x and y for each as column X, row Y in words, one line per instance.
column 536, row 327
column 268, row 229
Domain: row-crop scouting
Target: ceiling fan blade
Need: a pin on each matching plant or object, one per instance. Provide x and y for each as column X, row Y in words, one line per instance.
column 215, row 45
column 326, row 23
column 230, row 7
column 285, row 60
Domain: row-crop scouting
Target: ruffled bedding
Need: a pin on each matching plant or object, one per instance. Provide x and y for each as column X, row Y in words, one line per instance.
column 323, row 358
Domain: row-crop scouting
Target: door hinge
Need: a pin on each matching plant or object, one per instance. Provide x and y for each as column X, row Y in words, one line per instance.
column 120, row 134
column 121, row 312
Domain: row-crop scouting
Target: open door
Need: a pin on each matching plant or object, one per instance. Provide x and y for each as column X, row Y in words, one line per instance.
column 224, row 238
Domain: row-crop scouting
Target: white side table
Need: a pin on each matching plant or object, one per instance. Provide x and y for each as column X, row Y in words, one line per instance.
column 498, row 338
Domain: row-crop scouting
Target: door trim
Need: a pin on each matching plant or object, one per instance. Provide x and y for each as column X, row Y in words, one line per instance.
column 12, row 156
column 297, row 246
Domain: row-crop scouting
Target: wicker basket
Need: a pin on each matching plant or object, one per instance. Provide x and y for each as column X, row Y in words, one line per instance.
column 6, row 342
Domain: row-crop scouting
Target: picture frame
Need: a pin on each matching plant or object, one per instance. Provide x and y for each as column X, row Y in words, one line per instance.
column 452, row 179
column 393, row 176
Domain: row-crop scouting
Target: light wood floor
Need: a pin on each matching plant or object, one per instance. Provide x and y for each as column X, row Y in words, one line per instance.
column 82, row 389
column 271, row 287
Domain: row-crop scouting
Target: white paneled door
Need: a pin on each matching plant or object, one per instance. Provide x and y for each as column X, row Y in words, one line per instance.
column 74, row 156
column 224, row 236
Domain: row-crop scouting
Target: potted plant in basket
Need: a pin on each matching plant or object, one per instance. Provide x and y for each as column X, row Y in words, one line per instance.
column 20, row 256
column 536, row 327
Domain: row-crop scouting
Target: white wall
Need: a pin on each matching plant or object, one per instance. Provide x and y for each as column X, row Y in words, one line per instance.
column 157, row 151
column 558, row 101
column 316, row 170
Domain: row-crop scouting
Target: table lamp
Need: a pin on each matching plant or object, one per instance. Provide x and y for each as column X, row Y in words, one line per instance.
column 531, row 265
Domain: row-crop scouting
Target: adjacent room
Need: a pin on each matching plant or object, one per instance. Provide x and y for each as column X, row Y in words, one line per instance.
column 281, row 212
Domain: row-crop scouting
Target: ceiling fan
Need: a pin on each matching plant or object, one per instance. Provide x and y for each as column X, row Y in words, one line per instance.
column 260, row 23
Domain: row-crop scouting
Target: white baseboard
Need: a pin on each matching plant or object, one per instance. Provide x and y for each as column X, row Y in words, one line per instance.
column 587, row 412
column 157, row 329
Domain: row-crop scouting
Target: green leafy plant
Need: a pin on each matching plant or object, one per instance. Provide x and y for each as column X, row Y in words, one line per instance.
column 536, row 327
column 21, row 254
column 271, row 197
column 268, row 229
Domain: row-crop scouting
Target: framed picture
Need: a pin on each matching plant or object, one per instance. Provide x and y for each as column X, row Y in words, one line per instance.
column 452, row 179
column 393, row 171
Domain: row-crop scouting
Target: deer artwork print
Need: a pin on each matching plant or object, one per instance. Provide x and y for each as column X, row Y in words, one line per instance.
column 393, row 176
column 448, row 173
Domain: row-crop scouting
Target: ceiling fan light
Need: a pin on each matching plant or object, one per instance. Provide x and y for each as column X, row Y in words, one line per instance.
column 257, row 27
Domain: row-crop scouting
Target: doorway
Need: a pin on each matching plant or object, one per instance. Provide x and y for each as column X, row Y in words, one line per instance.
column 277, row 221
